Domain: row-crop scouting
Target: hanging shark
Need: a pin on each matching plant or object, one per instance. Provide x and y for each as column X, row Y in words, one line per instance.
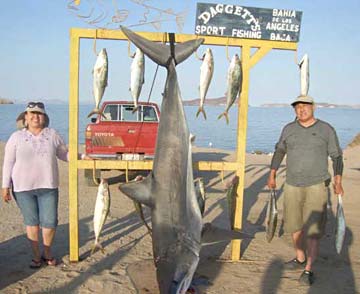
column 169, row 189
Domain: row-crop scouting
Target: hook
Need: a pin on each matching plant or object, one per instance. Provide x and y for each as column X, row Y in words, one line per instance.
column 227, row 49
column 96, row 182
column 94, row 46
column 222, row 175
column 197, row 56
column 127, row 172
column 129, row 54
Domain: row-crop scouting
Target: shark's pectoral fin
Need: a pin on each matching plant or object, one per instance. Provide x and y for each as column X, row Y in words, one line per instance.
column 212, row 234
column 139, row 191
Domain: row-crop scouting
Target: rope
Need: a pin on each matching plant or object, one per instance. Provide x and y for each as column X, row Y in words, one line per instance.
column 296, row 57
column 142, row 122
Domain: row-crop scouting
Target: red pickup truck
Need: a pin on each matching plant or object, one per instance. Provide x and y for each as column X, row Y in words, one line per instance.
column 122, row 134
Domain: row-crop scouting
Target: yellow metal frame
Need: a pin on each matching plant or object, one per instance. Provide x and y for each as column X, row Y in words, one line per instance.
column 248, row 61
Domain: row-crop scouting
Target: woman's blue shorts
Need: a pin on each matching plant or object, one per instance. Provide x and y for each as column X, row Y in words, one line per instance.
column 39, row 207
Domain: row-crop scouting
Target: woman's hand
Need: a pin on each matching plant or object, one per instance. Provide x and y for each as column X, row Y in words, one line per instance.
column 6, row 194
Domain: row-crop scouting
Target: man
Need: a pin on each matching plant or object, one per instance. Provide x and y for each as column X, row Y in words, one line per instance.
column 307, row 142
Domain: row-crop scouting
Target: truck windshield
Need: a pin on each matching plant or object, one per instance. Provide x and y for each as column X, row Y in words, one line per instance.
column 117, row 112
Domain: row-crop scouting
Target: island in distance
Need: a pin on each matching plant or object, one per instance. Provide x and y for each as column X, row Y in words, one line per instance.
column 318, row 105
column 222, row 101
column 6, row 101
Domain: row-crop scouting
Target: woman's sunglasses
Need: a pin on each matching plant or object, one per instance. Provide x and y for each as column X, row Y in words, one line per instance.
column 36, row 104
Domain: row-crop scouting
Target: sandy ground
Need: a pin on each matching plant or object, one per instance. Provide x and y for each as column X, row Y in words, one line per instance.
column 127, row 266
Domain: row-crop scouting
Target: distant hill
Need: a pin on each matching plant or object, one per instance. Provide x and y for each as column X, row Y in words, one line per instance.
column 44, row 100
column 6, row 101
column 208, row 101
column 318, row 105
column 222, row 101
column 355, row 141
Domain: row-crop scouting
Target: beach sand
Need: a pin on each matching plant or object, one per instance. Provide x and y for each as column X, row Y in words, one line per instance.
column 127, row 266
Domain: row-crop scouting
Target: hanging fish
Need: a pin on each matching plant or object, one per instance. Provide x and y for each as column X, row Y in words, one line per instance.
column 100, row 77
column 137, row 78
column 200, row 194
column 304, row 75
column 271, row 217
column 206, row 73
column 231, row 195
column 234, row 84
column 340, row 225
column 102, row 207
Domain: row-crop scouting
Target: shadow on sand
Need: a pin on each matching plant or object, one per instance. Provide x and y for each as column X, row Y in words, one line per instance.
column 333, row 272
column 20, row 246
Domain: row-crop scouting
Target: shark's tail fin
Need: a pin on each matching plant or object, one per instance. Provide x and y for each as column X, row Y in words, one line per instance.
column 161, row 53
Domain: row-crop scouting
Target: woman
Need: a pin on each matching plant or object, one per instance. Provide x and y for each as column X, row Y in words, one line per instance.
column 30, row 169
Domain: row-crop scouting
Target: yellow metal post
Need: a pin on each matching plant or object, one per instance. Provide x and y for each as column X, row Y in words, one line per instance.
column 248, row 61
column 73, row 148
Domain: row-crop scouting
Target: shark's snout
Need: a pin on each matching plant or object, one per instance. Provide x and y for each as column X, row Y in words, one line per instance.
column 175, row 274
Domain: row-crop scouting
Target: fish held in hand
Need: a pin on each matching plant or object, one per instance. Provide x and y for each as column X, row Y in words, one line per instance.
column 100, row 79
column 234, row 85
column 137, row 76
column 206, row 73
column 271, row 217
column 102, row 207
column 340, row 225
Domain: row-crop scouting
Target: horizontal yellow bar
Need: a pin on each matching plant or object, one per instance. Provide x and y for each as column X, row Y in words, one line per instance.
column 160, row 37
column 147, row 165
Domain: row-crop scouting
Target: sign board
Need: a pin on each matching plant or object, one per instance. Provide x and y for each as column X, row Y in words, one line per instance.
column 247, row 22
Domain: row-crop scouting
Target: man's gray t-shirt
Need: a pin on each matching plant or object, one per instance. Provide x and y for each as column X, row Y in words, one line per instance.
column 307, row 150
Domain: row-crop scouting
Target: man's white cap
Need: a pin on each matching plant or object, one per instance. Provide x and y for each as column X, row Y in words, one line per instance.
column 303, row 99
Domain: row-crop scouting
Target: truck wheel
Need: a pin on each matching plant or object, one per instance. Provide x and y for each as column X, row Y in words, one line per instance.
column 89, row 180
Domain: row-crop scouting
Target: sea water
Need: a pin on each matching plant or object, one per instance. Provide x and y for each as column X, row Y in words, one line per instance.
column 263, row 130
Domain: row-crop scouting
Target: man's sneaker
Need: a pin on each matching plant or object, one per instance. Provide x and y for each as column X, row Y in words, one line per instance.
column 307, row 278
column 294, row 264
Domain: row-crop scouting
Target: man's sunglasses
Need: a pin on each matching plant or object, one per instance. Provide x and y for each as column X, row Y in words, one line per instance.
column 36, row 104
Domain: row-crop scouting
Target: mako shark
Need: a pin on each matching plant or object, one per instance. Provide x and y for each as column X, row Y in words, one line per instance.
column 169, row 189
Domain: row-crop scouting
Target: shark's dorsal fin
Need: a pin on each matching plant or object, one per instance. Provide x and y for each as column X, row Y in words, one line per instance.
column 161, row 53
column 139, row 190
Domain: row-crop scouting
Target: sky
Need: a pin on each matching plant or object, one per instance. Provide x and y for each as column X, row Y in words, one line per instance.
column 35, row 51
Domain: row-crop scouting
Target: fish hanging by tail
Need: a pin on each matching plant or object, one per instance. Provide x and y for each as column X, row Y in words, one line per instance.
column 102, row 207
